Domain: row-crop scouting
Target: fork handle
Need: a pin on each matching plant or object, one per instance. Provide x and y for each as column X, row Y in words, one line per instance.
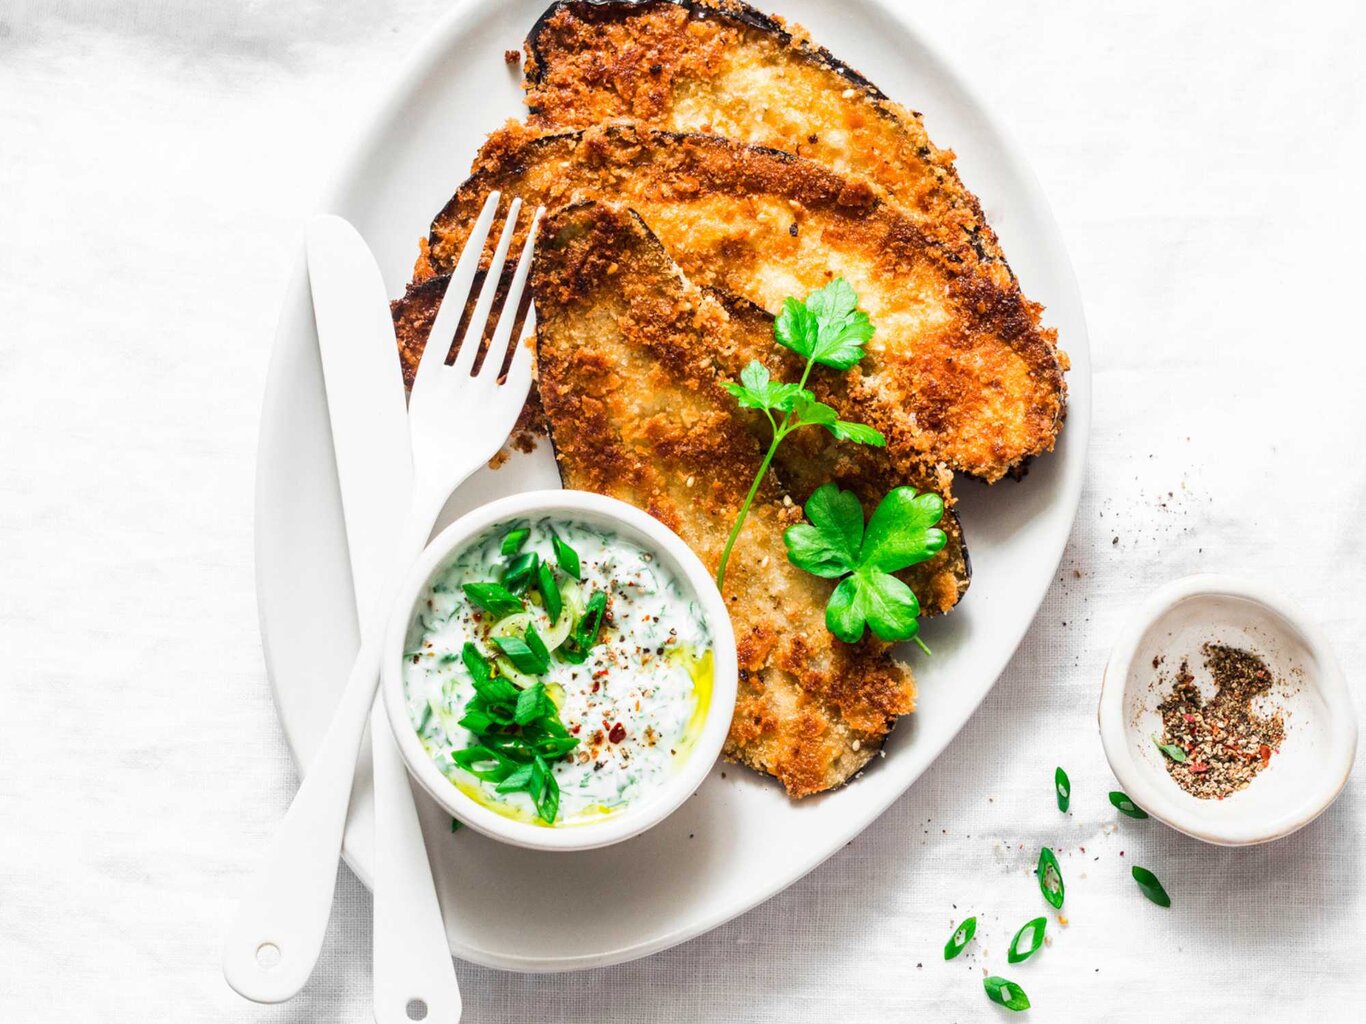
column 277, row 933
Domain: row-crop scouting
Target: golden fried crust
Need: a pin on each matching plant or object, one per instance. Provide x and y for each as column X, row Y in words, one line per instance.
column 960, row 371
column 637, row 411
column 699, row 66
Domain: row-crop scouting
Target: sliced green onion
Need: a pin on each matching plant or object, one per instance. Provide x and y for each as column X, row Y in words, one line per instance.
column 521, row 571
column 1125, row 805
column 426, row 717
column 528, row 653
column 961, row 936
column 567, row 557
column 1049, row 873
column 1171, row 750
column 475, row 663
column 493, row 597
column 550, row 591
column 455, row 825
column 1006, row 993
column 513, row 542
column 1063, row 786
column 1034, row 930
column 585, row 635
column 1152, row 888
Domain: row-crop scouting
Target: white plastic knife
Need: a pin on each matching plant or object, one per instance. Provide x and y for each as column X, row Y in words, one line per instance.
column 274, row 943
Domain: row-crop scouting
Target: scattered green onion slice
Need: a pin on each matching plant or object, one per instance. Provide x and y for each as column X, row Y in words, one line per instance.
column 528, row 652
column 455, row 825
column 1172, row 750
column 521, row 571
column 1063, row 785
column 1152, row 888
column 550, row 591
column 493, row 597
column 961, row 936
column 513, row 542
column 426, row 718
column 1125, row 805
column 1007, row 993
column 1049, row 873
column 1034, row 930
column 581, row 640
column 567, row 558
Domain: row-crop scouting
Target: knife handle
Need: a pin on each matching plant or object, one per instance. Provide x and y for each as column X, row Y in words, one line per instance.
column 277, row 933
column 412, row 956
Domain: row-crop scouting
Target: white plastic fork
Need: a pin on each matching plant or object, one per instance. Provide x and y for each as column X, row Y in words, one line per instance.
column 458, row 419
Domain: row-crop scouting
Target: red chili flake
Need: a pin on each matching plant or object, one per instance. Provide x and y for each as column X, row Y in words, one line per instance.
column 1188, row 717
column 596, row 686
column 575, row 728
column 618, row 733
column 1265, row 751
column 1199, row 766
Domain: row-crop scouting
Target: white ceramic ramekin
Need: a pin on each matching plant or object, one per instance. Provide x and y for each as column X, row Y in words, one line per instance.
column 1301, row 780
column 676, row 556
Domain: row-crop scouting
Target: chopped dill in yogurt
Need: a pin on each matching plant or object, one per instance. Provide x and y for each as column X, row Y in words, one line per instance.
column 556, row 671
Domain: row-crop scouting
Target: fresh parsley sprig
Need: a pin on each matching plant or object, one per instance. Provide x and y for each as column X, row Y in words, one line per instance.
column 827, row 328
column 835, row 544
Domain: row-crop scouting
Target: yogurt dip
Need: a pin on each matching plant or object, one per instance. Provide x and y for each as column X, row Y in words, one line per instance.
column 618, row 643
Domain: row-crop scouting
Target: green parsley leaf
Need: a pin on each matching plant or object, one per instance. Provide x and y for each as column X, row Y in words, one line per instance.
column 1125, row 805
column 513, row 542
column 961, row 936
column 550, row 591
column 1049, row 873
column 494, row 598
column 1033, row 931
column 1062, row 785
column 900, row 533
column 1006, row 993
column 1152, row 888
column 829, row 545
column 828, row 328
column 811, row 413
column 528, row 653
column 567, row 558
column 757, row 391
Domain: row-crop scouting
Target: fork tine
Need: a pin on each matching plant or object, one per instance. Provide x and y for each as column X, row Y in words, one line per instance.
column 474, row 333
column 519, row 373
column 447, row 322
column 507, row 320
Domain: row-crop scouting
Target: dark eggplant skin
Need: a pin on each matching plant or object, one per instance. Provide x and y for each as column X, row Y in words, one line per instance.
column 718, row 10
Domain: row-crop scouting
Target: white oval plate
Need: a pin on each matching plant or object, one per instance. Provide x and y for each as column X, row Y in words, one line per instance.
column 739, row 840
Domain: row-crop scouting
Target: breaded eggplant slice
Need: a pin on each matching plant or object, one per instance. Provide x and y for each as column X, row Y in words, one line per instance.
column 721, row 66
column 806, row 460
column 959, row 372
column 637, row 411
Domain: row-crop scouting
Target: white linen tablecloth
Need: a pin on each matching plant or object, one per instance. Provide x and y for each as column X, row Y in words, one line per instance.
column 1205, row 162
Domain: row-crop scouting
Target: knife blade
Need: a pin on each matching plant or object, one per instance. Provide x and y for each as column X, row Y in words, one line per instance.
column 366, row 404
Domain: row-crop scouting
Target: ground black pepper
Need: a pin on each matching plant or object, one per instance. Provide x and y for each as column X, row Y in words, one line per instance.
column 1225, row 741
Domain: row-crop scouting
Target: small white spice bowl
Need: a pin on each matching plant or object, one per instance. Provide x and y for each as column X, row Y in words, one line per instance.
column 1301, row 780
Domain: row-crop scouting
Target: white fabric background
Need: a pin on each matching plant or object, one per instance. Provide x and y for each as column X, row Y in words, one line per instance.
column 156, row 156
